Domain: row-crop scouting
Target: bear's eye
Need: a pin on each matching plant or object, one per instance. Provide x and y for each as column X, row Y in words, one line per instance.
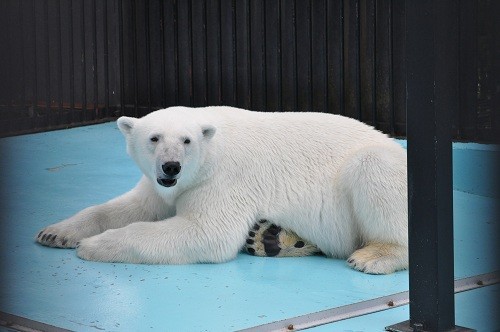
column 187, row 141
column 154, row 139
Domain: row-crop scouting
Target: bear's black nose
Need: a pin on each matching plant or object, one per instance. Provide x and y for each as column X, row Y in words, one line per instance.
column 171, row 168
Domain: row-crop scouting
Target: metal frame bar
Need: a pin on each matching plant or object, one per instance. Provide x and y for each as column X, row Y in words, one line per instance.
column 432, row 94
column 366, row 307
column 18, row 323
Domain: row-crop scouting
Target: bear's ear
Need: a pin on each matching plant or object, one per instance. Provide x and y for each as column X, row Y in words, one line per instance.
column 125, row 124
column 208, row 131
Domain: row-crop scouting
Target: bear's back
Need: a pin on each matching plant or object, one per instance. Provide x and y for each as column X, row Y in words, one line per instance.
column 293, row 134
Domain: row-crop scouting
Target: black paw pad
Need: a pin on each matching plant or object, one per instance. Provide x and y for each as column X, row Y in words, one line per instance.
column 273, row 229
column 299, row 244
column 271, row 240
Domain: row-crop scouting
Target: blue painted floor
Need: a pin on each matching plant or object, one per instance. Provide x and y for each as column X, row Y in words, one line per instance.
column 49, row 176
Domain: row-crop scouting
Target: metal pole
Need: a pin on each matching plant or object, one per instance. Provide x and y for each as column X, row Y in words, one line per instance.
column 432, row 97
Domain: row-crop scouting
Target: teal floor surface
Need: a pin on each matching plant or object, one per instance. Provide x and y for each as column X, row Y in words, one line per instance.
column 49, row 176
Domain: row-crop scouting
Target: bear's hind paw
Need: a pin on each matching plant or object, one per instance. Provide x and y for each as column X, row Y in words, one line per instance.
column 379, row 258
column 266, row 239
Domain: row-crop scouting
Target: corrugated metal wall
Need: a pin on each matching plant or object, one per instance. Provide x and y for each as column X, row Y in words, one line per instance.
column 83, row 61
column 59, row 65
column 326, row 56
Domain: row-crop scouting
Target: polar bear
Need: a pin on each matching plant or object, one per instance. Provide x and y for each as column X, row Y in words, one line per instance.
column 211, row 173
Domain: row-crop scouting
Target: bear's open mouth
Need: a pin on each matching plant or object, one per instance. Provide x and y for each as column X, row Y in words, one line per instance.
column 166, row 182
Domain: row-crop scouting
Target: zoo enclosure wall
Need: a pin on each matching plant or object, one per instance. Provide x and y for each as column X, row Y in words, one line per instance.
column 70, row 63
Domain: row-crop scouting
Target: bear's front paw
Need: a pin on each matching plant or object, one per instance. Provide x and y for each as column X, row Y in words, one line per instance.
column 67, row 233
column 106, row 247
column 60, row 236
column 268, row 240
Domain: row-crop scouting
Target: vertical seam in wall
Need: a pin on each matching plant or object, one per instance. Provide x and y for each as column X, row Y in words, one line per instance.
column 134, row 56
column 205, row 22
column 391, row 59
column 325, row 45
column 83, row 59
column 148, row 51
column 280, row 60
column 162, row 46
column 72, row 65
column 121, row 58
column 106, row 59
column 310, row 71
column 294, row 31
column 95, row 111
column 235, row 54
column 60, row 75
column 23, row 72
column 358, row 67
column 374, row 83
column 249, row 52
column 327, row 61
column 263, row 55
column 176, row 51
column 48, row 101
column 295, row 50
column 191, row 51
column 342, row 60
column 219, row 22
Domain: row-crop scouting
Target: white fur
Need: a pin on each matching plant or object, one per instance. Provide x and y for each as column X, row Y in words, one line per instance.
column 334, row 181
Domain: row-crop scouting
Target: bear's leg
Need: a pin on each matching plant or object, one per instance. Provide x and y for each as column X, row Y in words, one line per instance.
column 376, row 181
column 141, row 203
column 176, row 240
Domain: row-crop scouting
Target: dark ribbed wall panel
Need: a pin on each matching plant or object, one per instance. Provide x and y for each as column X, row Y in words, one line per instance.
column 66, row 63
column 59, row 63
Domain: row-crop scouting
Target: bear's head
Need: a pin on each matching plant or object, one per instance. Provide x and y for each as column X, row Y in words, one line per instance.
column 167, row 145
